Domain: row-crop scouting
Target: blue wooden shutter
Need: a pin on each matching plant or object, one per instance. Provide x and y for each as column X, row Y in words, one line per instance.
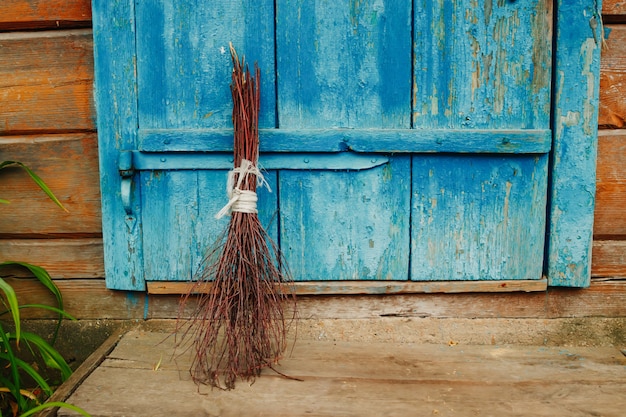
column 403, row 140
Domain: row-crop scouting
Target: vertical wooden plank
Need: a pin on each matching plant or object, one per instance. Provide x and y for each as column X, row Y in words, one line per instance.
column 478, row 217
column 116, row 101
column 347, row 225
column 575, row 123
column 184, row 64
column 170, row 211
column 345, row 64
column 179, row 223
column 482, row 65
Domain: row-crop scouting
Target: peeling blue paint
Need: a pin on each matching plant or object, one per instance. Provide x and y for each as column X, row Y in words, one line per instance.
column 458, row 102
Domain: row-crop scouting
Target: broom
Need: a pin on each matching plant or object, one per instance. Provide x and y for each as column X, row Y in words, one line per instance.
column 239, row 326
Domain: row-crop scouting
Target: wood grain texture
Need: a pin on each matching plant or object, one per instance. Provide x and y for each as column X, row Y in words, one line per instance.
column 478, row 217
column 184, row 64
column 610, row 221
column 37, row 14
column 601, row 299
column 392, row 141
column 68, row 163
column 179, row 219
column 41, row 92
column 62, row 258
column 612, row 8
column 85, row 369
column 575, row 126
column 612, row 111
column 83, row 298
column 609, row 258
column 89, row 299
column 343, row 64
column 347, row 225
column 482, row 67
column 373, row 287
column 350, row 378
column 114, row 50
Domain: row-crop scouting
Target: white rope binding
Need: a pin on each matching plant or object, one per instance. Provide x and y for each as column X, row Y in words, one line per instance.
column 242, row 201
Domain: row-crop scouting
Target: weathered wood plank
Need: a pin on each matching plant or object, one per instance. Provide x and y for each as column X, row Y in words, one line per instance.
column 184, row 64
column 482, row 67
column 343, row 64
column 610, row 221
column 612, row 110
column 37, row 14
column 89, row 299
column 352, row 378
column 611, row 8
column 82, row 373
column 606, row 299
column 115, row 81
column 407, row 362
column 62, row 258
column 83, row 299
column 575, row 125
column 609, row 258
column 358, row 140
column 40, row 91
column 338, row 225
column 602, row 299
column 68, row 163
column 478, row 217
column 375, row 287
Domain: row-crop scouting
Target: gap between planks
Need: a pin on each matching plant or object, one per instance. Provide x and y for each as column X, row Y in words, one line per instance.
column 373, row 287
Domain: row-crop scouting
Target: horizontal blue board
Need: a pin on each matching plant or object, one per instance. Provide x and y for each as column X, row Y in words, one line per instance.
column 478, row 217
column 357, row 140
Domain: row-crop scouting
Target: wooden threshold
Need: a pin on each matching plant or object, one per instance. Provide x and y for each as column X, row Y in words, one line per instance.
column 375, row 287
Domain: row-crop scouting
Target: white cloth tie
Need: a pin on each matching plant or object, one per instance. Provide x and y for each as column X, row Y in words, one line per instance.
column 243, row 201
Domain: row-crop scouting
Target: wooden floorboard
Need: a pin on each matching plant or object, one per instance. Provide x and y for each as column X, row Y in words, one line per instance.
column 142, row 377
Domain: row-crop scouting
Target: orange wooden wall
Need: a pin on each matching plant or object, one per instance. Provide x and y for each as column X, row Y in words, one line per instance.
column 47, row 120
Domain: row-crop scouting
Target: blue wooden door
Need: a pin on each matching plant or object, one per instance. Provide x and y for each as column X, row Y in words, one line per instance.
column 403, row 140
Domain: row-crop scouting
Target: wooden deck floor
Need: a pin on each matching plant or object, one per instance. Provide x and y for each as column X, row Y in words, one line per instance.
column 139, row 378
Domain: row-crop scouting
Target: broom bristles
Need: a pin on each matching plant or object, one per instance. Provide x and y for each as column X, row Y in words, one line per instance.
column 240, row 326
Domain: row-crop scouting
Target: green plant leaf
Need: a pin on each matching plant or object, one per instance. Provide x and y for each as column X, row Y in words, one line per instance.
column 42, row 275
column 14, row 383
column 36, row 179
column 47, row 307
column 39, row 380
column 14, row 309
column 50, row 355
column 55, row 404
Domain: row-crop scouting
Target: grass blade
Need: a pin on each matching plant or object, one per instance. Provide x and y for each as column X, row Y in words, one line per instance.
column 39, row 380
column 50, row 355
column 42, row 275
column 14, row 383
column 55, row 404
column 14, row 309
column 37, row 181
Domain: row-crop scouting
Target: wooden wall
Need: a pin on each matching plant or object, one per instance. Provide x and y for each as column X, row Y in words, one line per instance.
column 47, row 120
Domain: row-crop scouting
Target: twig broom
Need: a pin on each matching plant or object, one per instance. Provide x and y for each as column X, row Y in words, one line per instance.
column 239, row 325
